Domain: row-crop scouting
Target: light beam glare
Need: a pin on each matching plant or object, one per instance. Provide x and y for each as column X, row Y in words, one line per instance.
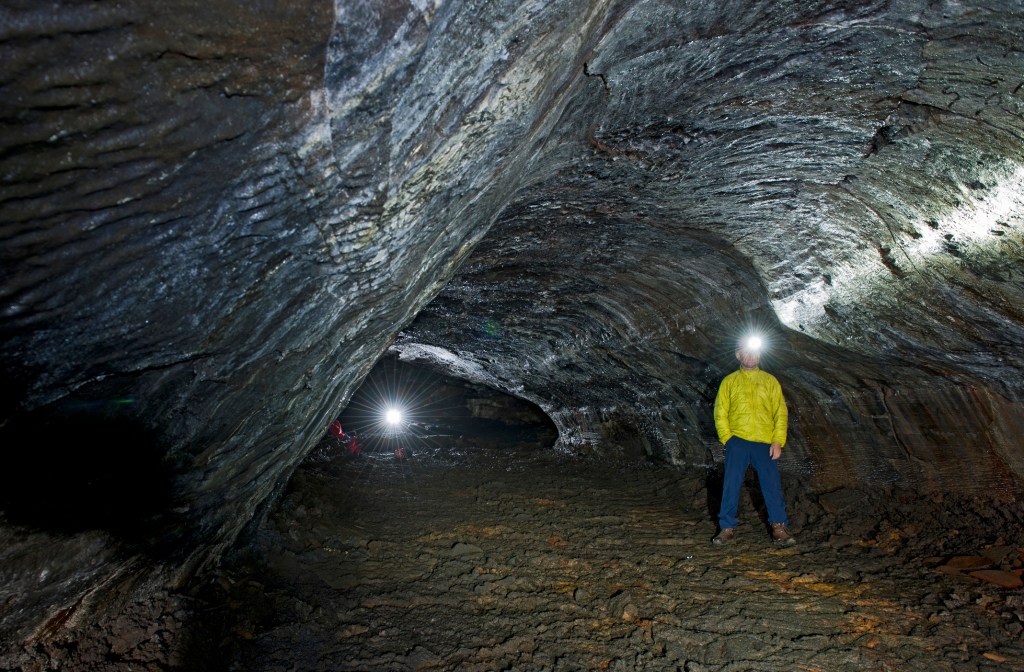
column 396, row 412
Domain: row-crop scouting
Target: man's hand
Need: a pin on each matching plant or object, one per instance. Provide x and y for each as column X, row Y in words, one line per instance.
column 776, row 450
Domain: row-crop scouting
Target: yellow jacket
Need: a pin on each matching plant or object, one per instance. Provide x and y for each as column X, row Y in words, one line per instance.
column 750, row 405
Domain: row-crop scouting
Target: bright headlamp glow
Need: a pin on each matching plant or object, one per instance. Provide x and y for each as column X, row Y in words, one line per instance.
column 753, row 344
column 393, row 416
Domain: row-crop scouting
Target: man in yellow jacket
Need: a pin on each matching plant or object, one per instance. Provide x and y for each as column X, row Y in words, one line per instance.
column 752, row 419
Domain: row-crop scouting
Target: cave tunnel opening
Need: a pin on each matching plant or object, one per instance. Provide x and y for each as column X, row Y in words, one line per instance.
column 408, row 409
column 456, row 539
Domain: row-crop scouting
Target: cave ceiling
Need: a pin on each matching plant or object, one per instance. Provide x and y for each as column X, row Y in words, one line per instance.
column 216, row 218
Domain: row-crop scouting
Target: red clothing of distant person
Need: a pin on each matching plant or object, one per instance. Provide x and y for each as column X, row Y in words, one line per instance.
column 350, row 442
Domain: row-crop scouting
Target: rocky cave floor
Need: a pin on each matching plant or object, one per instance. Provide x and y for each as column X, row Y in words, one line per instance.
column 514, row 560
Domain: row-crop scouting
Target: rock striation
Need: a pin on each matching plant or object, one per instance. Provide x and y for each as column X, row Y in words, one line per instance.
column 216, row 217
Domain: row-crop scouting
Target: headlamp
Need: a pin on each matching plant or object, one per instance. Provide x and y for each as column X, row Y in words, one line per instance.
column 393, row 416
column 752, row 344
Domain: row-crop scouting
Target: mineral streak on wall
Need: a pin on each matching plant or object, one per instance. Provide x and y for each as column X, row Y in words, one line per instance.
column 216, row 216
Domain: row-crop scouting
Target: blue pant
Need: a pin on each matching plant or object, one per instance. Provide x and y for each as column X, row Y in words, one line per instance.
column 739, row 454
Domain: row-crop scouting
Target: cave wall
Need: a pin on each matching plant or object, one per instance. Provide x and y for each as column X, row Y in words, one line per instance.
column 215, row 218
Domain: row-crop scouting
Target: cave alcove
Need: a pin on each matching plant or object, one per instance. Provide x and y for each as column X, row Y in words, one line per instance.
column 88, row 464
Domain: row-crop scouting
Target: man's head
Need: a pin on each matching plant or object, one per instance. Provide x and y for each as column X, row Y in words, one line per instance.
column 748, row 352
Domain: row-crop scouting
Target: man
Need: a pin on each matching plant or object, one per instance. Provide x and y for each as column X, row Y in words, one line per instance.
column 751, row 419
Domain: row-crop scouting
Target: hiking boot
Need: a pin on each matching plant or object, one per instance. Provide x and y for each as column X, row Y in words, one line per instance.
column 725, row 536
column 781, row 536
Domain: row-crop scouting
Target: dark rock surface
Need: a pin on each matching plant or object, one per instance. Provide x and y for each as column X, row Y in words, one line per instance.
column 216, row 217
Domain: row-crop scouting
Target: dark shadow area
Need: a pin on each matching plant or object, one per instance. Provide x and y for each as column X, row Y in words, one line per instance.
column 713, row 489
column 85, row 466
column 438, row 416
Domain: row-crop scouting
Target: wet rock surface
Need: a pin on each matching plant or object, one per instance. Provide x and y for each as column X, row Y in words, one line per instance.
column 512, row 560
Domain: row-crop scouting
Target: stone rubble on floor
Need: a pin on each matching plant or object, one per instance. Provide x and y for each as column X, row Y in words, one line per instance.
column 549, row 563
